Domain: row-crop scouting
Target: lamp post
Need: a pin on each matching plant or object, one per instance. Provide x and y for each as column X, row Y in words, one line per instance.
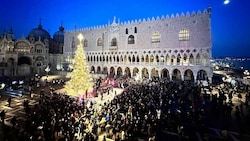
column 246, row 72
column 47, row 70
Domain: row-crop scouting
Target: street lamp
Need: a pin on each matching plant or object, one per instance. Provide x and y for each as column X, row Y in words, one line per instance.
column 47, row 70
column 246, row 72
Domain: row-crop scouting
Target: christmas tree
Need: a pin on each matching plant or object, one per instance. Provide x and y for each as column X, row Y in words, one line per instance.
column 80, row 78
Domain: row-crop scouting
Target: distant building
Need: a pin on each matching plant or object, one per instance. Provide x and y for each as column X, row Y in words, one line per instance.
column 30, row 55
column 176, row 47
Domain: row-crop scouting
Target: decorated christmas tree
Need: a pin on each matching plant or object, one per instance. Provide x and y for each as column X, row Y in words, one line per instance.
column 80, row 79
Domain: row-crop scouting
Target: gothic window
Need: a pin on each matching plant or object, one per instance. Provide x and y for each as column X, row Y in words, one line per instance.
column 99, row 42
column 155, row 37
column 85, row 43
column 131, row 39
column 113, row 42
column 184, row 35
column 126, row 31
column 135, row 29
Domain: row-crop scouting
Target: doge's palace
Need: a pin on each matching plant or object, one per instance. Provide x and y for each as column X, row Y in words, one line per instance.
column 175, row 47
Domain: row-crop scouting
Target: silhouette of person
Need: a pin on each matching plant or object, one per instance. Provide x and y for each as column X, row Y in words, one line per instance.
column 9, row 101
column 2, row 115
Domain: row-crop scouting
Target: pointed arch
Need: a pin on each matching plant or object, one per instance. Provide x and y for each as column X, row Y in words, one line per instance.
column 133, row 58
column 117, row 59
column 121, row 58
column 92, row 70
column 105, row 70
column 205, row 59
column 85, row 43
column 98, row 69
column 165, row 74
column 188, row 75
column 112, row 72
column 135, row 71
column 119, row 71
column 131, row 39
column 107, row 59
column 185, row 59
column 173, row 60
column 202, row 75
column 168, row 60
column 99, row 42
column 125, row 59
column 157, row 58
column 114, row 42
column 154, row 74
column 176, row 75
column 152, row 59
column 142, row 59
column 129, row 59
column 127, row 72
column 198, row 59
column 144, row 73
column 103, row 58
column 191, row 59
column 137, row 59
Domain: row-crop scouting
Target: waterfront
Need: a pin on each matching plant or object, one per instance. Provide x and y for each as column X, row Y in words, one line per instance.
column 237, row 63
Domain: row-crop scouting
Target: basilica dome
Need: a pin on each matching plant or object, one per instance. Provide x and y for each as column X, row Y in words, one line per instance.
column 39, row 32
column 59, row 35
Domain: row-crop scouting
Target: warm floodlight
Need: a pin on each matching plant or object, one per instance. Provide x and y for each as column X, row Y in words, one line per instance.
column 226, row 2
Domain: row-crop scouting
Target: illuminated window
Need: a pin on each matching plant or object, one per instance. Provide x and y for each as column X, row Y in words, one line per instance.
column 184, row 35
column 155, row 37
column 131, row 39
column 113, row 42
column 99, row 42
column 85, row 43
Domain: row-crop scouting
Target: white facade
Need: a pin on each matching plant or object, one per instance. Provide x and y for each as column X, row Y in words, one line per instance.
column 177, row 47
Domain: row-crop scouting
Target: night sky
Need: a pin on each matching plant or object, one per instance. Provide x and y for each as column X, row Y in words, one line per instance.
column 230, row 22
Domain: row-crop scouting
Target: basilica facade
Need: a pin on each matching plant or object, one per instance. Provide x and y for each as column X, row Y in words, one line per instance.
column 29, row 55
column 175, row 47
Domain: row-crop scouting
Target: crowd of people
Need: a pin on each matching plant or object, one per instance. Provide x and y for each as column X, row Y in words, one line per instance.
column 143, row 110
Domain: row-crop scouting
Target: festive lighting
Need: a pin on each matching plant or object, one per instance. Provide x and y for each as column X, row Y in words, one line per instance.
column 80, row 78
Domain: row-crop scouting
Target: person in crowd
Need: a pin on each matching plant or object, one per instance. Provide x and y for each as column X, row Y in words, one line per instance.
column 9, row 101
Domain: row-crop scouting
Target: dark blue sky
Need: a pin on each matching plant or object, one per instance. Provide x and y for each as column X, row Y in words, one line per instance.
column 230, row 23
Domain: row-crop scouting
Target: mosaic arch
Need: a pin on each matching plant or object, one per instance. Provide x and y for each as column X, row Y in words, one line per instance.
column 23, row 65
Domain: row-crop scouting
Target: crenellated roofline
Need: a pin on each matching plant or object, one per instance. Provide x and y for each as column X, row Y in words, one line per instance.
column 206, row 11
